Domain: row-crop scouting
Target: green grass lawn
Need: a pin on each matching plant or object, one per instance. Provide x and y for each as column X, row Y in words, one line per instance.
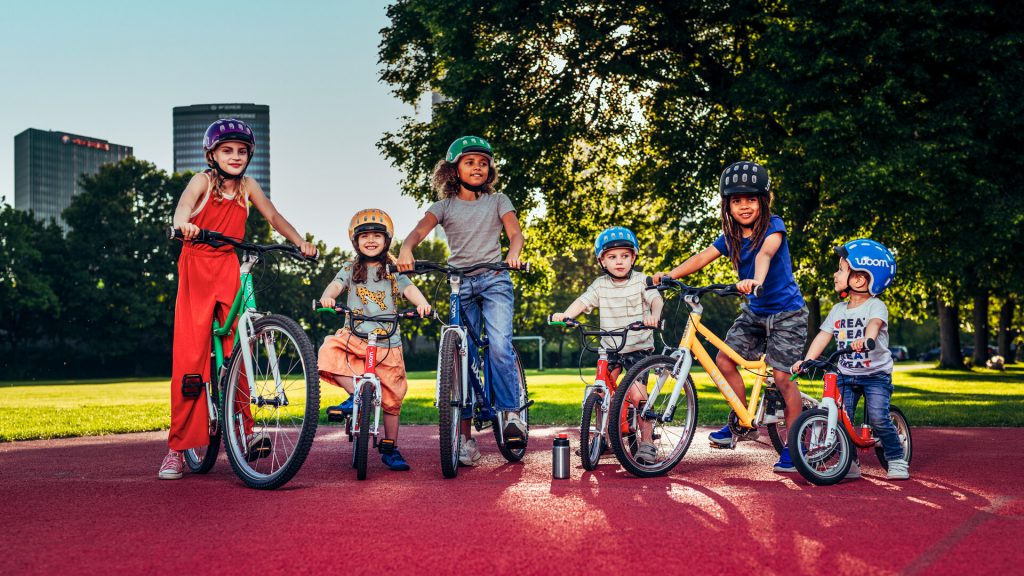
column 929, row 397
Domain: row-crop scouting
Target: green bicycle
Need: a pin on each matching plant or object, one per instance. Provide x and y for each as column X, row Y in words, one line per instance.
column 268, row 421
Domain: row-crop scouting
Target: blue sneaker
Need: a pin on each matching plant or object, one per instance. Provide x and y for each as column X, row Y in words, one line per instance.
column 785, row 463
column 723, row 437
column 394, row 460
column 340, row 412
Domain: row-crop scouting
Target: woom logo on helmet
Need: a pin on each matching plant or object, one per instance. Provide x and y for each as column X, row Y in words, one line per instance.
column 865, row 261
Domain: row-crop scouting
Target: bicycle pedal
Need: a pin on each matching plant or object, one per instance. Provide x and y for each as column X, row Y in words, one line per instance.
column 730, row 446
column 336, row 416
column 515, row 442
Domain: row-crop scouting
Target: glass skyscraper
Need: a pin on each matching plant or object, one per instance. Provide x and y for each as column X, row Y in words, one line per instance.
column 190, row 123
column 48, row 164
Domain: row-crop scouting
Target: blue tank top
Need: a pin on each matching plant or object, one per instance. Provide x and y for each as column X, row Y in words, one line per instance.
column 781, row 294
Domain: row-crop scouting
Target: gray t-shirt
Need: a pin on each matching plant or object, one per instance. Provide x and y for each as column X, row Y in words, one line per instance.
column 373, row 297
column 473, row 227
column 848, row 324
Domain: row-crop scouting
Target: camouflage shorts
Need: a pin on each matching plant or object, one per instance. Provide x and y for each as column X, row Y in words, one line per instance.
column 783, row 335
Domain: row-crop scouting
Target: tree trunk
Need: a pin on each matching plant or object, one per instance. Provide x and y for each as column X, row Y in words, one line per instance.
column 1006, row 329
column 561, row 346
column 980, row 329
column 813, row 320
column 949, row 336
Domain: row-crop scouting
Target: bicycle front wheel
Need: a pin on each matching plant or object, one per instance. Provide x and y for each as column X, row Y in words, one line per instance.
column 516, row 454
column 779, row 431
column 819, row 461
column 449, row 403
column 268, row 432
column 362, row 447
column 655, row 439
column 590, row 431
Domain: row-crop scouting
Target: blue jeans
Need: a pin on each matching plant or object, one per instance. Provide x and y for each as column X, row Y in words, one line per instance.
column 877, row 391
column 490, row 294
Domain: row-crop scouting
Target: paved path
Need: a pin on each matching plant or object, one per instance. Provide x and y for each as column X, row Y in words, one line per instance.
column 94, row 506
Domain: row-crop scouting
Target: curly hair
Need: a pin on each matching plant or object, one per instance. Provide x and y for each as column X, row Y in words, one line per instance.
column 446, row 179
column 359, row 272
column 733, row 232
column 217, row 182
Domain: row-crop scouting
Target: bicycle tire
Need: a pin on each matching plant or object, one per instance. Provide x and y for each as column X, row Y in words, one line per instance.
column 590, row 442
column 899, row 420
column 818, row 463
column 362, row 447
column 201, row 460
column 287, row 443
column 677, row 439
column 449, row 403
column 516, row 454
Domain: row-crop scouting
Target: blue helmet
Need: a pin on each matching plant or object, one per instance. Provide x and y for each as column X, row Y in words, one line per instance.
column 873, row 259
column 615, row 237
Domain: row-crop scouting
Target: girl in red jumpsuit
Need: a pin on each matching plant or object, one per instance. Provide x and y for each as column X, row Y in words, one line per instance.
column 216, row 199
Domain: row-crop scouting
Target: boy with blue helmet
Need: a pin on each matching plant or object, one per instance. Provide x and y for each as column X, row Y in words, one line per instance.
column 621, row 296
column 866, row 269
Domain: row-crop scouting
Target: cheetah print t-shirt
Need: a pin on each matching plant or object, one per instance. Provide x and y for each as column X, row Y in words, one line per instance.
column 373, row 297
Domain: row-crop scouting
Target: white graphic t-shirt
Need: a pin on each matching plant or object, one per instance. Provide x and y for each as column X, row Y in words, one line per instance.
column 848, row 324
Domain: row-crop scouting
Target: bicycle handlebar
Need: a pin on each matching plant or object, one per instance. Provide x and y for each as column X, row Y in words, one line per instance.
column 425, row 266
column 216, row 239
column 830, row 362
column 388, row 319
column 619, row 333
column 668, row 283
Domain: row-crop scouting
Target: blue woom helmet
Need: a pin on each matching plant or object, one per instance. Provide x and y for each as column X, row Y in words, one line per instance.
column 873, row 259
column 615, row 237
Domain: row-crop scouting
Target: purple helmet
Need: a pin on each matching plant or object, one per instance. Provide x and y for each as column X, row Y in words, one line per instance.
column 228, row 130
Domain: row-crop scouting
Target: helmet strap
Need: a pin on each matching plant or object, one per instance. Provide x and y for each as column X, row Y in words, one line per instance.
column 845, row 293
column 472, row 188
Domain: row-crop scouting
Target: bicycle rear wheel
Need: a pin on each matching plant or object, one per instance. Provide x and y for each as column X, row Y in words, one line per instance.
column 449, row 402
column 200, row 460
column 819, row 461
column 267, row 437
column 516, row 454
column 590, row 431
column 903, row 429
column 670, row 438
column 362, row 447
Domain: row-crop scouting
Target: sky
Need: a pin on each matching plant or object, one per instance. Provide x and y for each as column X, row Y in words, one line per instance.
column 114, row 69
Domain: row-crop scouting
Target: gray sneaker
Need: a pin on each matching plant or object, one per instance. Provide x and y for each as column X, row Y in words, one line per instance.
column 647, row 454
column 898, row 470
column 854, row 472
column 469, row 454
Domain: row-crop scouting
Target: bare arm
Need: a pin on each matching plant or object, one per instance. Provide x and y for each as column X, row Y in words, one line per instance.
column 692, row 264
column 656, row 307
column 423, row 227
column 762, row 262
column 413, row 295
column 333, row 290
column 515, row 238
column 269, row 211
column 871, row 331
column 196, row 187
column 575, row 309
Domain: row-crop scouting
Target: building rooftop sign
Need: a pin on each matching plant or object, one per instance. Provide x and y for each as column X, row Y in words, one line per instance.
column 85, row 142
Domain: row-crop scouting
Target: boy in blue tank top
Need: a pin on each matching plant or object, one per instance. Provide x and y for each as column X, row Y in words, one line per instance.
column 755, row 241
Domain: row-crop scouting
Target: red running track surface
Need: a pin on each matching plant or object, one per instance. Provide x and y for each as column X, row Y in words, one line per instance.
column 95, row 506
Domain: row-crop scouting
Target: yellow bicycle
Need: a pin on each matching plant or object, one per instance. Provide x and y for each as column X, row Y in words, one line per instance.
column 671, row 406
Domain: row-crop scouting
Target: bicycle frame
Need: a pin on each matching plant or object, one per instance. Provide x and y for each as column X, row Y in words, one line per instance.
column 832, row 401
column 472, row 388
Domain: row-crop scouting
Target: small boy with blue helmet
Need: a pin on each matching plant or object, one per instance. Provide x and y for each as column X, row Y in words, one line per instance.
column 866, row 268
column 621, row 296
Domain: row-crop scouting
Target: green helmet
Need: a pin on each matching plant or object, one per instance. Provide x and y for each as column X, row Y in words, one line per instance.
column 468, row 145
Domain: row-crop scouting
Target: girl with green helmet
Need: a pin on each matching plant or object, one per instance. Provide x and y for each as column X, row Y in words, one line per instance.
column 473, row 216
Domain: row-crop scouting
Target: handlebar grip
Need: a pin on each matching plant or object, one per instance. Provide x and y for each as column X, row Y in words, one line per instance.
column 758, row 291
column 869, row 344
column 649, row 281
column 173, row 233
column 391, row 268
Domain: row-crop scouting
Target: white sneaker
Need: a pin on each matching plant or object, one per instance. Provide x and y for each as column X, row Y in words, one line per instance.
column 898, row 470
column 854, row 472
column 469, row 454
column 647, row 454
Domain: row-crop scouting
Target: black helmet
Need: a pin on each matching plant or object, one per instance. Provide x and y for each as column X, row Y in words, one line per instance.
column 745, row 178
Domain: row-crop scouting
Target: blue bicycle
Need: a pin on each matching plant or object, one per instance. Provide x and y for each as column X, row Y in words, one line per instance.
column 463, row 380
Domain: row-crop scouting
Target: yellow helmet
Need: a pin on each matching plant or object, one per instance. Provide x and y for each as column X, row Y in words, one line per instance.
column 370, row 220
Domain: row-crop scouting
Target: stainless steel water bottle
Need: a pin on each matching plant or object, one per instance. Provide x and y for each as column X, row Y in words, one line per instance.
column 560, row 457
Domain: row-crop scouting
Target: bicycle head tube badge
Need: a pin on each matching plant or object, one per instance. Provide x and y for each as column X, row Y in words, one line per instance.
column 192, row 385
